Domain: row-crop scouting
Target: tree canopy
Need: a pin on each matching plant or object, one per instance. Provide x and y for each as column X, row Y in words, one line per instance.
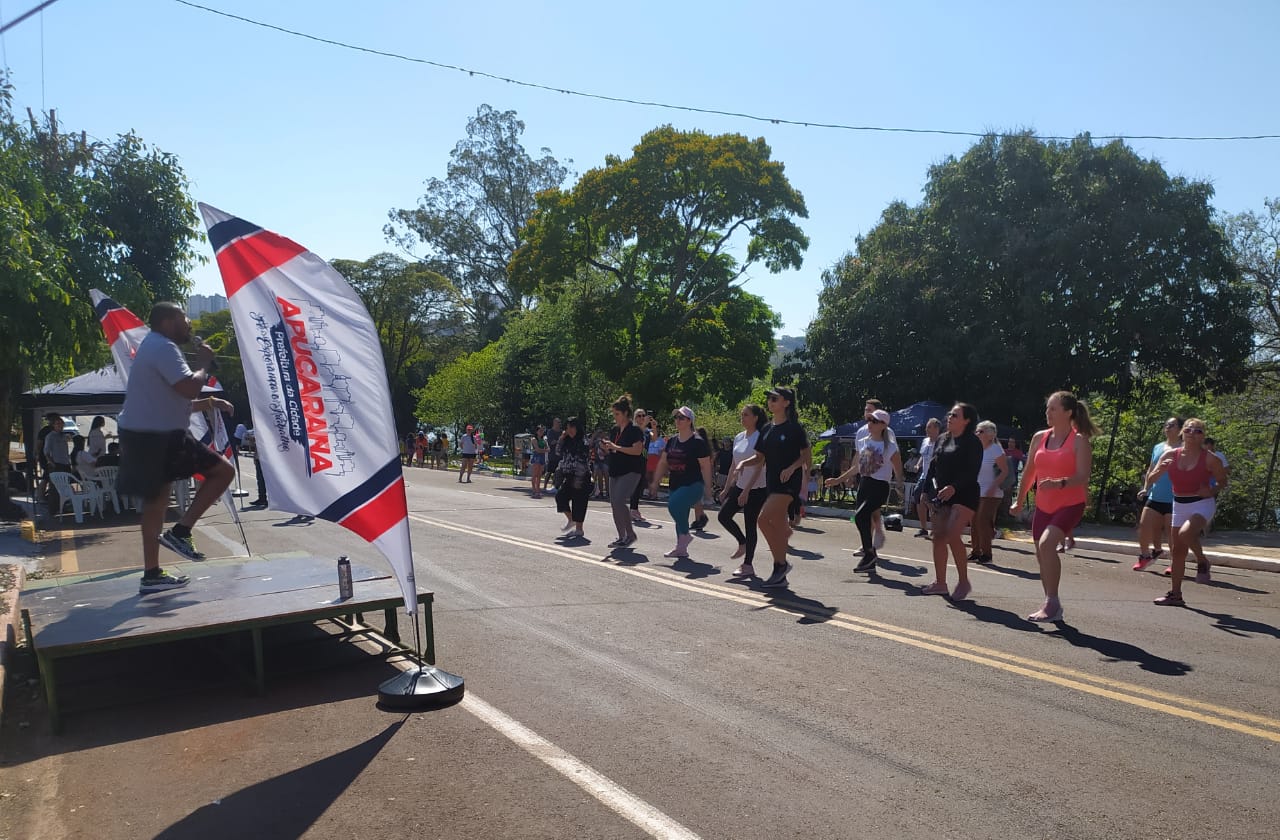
column 1032, row 266
column 650, row 249
column 1255, row 244
column 469, row 223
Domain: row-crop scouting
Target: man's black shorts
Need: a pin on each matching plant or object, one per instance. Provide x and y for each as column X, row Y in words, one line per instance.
column 150, row 460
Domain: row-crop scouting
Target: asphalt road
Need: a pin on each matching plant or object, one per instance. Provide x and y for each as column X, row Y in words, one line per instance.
column 630, row 695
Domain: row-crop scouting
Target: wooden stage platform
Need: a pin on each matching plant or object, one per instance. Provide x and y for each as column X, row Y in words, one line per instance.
column 234, row 596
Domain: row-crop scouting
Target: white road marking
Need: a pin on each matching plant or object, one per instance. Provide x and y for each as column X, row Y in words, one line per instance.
column 608, row 792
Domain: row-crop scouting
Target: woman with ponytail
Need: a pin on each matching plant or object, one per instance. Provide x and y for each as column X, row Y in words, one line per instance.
column 1058, row 470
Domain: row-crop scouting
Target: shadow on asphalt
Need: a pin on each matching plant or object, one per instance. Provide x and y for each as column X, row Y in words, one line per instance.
column 136, row 693
column 810, row 610
column 694, row 570
column 287, row 805
column 1237, row 626
column 1112, row 649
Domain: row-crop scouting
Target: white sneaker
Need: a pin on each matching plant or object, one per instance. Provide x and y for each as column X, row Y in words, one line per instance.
column 744, row 571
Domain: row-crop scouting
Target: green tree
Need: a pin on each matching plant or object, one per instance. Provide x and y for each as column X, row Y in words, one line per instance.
column 1032, row 266
column 77, row 215
column 645, row 246
column 469, row 224
column 1255, row 244
column 464, row 391
column 417, row 315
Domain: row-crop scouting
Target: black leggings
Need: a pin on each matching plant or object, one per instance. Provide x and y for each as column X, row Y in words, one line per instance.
column 573, row 501
column 751, row 511
column 872, row 494
column 635, row 494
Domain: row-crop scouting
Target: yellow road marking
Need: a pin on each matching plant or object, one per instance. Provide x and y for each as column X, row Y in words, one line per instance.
column 69, row 561
column 1136, row 695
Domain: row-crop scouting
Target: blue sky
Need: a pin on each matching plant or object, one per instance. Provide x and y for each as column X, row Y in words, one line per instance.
column 318, row 143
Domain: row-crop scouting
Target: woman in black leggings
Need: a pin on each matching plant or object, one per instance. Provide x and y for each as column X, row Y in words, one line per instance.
column 744, row 490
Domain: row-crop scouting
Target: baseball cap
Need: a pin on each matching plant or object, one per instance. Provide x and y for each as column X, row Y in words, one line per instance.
column 881, row 415
column 786, row 393
column 685, row 412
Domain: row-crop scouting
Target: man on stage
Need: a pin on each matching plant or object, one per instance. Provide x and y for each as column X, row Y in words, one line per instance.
column 156, row 446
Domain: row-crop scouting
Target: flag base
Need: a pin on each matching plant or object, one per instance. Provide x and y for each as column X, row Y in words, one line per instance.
column 420, row 689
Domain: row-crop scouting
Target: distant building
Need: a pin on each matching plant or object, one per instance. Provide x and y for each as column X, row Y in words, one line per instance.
column 198, row 305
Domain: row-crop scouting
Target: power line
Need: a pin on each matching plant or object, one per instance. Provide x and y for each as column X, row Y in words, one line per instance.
column 20, row 18
column 690, row 108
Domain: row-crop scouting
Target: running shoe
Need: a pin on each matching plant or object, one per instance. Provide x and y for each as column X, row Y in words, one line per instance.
column 744, row 571
column 778, row 579
column 1155, row 555
column 867, row 564
column 983, row 559
column 699, row 523
column 1171, row 599
column 161, row 581
column 1202, row 574
column 935, row 588
column 184, row 546
column 1144, row 560
column 961, row 592
column 921, row 533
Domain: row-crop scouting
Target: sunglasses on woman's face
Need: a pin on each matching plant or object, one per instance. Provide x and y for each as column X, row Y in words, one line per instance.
column 954, row 416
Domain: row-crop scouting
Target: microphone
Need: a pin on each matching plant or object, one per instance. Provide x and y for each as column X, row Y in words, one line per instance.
column 213, row 362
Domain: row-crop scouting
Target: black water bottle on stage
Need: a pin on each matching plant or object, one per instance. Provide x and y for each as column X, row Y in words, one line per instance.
column 344, row 578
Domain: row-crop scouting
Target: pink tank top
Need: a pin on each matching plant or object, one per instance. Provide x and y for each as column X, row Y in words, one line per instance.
column 1057, row 463
column 1189, row 482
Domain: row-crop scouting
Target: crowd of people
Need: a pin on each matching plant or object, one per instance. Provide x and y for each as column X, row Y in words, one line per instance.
column 966, row 477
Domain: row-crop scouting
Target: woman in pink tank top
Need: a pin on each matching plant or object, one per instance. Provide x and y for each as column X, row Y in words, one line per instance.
column 1190, row 468
column 1058, row 469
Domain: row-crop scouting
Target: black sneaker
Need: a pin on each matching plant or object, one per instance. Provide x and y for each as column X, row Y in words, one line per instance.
column 161, row 581
column 779, row 577
column 184, row 546
column 868, row 563
column 699, row 523
column 982, row 558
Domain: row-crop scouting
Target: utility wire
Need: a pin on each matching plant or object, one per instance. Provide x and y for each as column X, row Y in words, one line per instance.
column 690, row 108
column 20, row 18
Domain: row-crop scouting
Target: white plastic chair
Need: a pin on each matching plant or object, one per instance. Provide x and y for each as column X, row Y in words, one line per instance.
column 81, row 500
column 105, row 481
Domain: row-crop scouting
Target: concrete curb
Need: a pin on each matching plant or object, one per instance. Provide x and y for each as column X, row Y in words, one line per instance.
column 9, row 623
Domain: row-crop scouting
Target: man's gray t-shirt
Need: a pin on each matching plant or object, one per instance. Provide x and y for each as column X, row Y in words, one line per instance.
column 150, row 402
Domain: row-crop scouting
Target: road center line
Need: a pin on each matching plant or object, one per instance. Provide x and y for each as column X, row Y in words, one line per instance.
column 1151, row 699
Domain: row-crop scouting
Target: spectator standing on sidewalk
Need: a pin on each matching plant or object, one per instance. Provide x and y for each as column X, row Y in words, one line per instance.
column 467, row 445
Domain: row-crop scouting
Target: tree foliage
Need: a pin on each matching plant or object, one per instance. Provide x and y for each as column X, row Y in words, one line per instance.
column 76, row 215
column 465, row 390
column 468, row 224
column 645, row 247
column 417, row 315
column 1255, row 244
column 1032, row 266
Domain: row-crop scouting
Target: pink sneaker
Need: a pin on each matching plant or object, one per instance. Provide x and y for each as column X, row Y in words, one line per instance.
column 1144, row 560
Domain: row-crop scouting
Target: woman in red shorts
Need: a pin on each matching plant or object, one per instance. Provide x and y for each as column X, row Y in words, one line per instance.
column 1059, row 466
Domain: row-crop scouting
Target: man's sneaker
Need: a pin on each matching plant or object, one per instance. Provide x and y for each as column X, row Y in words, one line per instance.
column 1144, row 560
column 161, row 581
column 184, row 546
column 867, row 564
column 779, row 577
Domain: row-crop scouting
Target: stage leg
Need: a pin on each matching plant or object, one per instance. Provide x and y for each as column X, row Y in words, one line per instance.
column 50, row 692
column 259, row 663
column 391, row 627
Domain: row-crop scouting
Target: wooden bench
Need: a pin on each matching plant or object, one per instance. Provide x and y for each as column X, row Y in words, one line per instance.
column 224, row 597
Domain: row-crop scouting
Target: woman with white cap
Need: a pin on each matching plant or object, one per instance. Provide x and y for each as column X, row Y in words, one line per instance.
column 878, row 463
column 687, row 459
